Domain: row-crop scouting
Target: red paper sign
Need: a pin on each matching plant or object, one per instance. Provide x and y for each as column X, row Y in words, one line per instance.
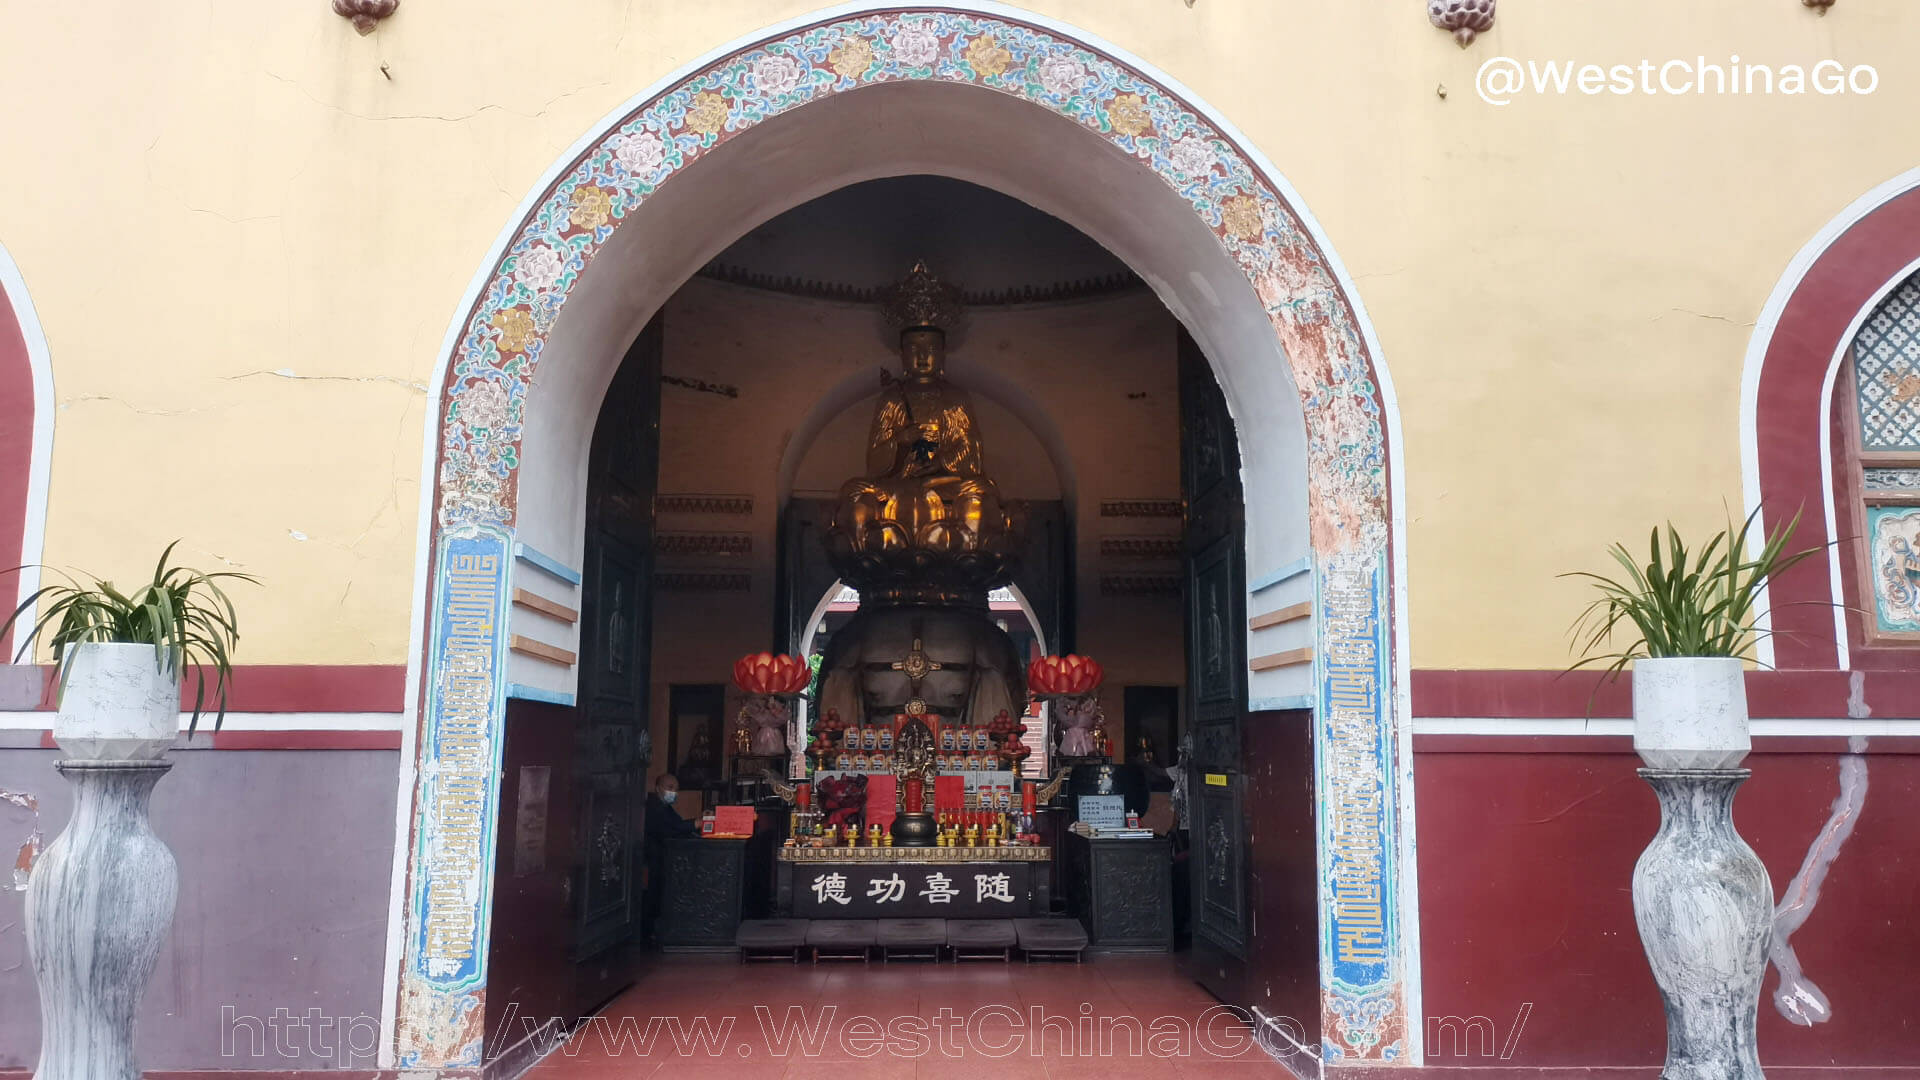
column 880, row 792
column 733, row 821
column 949, row 793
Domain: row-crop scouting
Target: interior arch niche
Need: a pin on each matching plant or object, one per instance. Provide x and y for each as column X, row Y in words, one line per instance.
column 1073, row 128
column 893, row 130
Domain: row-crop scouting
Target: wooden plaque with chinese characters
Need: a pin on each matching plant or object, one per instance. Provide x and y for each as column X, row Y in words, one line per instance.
column 887, row 890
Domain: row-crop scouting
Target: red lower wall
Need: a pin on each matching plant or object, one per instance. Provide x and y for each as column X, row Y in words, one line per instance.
column 530, row 973
column 1526, row 855
column 1284, row 954
column 16, row 450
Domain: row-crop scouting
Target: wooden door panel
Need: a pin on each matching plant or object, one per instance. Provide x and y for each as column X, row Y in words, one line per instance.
column 1219, row 852
column 1215, row 582
column 606, row 888
column 610, row 727
column 1213, row 647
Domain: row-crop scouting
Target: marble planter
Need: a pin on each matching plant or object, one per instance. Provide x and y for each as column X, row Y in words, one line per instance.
column 118, row 704
column 1690, row 712
column 98, row 906
column 1704, row 907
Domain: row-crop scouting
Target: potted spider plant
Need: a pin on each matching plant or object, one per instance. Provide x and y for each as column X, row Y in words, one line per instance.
column 1694, row 617
column 120, row 657
column 1702, row 900
column 102, row 895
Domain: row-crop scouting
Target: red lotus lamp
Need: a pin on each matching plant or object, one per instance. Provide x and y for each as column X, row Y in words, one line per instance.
column 1071, row 681
column 766, row 675
column 1064, row 676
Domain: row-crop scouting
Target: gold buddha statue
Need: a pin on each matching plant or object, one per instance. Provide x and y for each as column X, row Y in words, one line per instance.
column 924, row 485
column 926, row 494
column 923, row 536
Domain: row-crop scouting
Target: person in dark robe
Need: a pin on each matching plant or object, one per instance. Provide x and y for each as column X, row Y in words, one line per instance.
column 663, row 823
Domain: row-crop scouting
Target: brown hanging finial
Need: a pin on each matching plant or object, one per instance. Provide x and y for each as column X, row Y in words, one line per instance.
column 364, row 13
column 1464, row 18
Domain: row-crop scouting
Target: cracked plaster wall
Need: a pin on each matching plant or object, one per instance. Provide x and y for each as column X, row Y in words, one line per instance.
column 246, row 229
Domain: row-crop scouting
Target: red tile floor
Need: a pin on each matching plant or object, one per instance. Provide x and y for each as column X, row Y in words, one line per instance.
column 1111, row 1018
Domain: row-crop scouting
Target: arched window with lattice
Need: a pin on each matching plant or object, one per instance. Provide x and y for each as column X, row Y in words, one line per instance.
column 1880, row 420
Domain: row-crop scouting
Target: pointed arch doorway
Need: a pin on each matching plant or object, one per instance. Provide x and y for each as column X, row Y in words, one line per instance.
column 979, row 92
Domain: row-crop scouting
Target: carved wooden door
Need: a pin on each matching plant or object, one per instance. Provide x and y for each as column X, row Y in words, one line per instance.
column 611, row 746
column 1215, row 572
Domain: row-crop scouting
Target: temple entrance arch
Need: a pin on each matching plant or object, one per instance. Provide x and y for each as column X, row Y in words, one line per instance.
column 977, row 92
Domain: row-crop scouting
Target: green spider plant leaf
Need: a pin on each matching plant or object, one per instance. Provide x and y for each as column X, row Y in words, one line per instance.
column 182, row 613
column 1683, row 601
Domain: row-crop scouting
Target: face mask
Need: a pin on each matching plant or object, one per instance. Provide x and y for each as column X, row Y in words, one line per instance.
column 669, row 796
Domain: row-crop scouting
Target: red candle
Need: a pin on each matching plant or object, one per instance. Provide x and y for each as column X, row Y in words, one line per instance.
column 803, row 795
column 915, row 799
column 1029, row 795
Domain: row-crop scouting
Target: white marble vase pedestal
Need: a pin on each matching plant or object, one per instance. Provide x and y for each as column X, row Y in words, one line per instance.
column 1704, row 906
column 98, row 907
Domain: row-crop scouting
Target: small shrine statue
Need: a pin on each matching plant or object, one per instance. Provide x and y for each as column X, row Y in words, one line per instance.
column 701, row 765
column 913, row 765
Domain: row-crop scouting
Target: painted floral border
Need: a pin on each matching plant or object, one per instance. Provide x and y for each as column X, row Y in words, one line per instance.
column 495, row 358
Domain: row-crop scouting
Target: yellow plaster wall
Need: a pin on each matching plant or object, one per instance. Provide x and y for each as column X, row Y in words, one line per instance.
column 246, row 228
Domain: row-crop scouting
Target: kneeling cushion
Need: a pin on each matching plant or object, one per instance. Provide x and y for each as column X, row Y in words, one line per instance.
column 840, row 933
column 911, row 932
column 771, row 934
column 1051, row 935
column 980, row 933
